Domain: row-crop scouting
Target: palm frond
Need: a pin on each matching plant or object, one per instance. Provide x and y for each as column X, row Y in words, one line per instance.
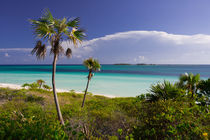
column 43, row 27
column 74, row 23
column 92, row 64
column 40, row 50
column 60, row 26
column 165, row 90
column 69, row 53
column 76, row 36
column 47, row 17
column 79, row 34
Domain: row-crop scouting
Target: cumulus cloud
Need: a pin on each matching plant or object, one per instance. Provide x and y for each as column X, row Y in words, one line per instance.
column 148, row 47
column 6, row 55
column 141, row 47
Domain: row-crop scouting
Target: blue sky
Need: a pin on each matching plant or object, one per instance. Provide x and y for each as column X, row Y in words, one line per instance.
column 131, row 31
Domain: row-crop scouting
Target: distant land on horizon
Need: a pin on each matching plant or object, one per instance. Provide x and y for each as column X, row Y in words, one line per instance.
column 133, row 64
column 101, row 64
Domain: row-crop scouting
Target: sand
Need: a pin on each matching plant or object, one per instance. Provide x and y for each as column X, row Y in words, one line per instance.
column 15, row 86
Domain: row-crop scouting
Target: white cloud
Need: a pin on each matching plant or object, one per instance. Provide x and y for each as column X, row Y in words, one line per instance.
column 141, row 57
column 141, row 47
column 6, row 55
column 149, row 47
column 15, row 49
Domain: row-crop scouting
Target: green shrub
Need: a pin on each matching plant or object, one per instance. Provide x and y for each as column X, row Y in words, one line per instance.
column 30, row 115
column 169, row 119
column 33, row 85
column 15, row 125
column 47, row 87
column 33, row 98
column 164, row 91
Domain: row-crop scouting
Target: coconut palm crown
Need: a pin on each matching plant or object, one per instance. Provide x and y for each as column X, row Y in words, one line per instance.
column 92, row 65
column 53, row 31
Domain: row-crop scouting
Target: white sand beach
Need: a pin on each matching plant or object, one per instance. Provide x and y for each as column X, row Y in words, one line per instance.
column 16, row 86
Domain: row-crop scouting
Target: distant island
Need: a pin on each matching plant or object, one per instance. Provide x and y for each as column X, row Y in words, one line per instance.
column 145, row 64
column 122, row 64
column 132, row 64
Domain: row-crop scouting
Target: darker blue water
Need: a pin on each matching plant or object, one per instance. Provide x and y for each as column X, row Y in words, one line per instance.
column 164, row 70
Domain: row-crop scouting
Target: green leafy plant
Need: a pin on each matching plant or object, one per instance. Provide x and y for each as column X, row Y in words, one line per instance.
column 189, row 82
column 47, row 87
column 163, row 91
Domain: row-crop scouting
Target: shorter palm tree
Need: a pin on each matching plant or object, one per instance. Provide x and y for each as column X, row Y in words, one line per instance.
column 40, row 82
column 92, row 65
column 189, row 82
column 164, row 91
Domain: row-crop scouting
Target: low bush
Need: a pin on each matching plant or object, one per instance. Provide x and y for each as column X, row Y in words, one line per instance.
column 30, row 114
column 171, row 119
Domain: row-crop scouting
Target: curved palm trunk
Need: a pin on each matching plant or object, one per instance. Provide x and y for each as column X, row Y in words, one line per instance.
column 89, row 76
column 54, row 91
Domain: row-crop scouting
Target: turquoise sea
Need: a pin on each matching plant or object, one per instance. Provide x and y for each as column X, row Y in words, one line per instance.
column 116, row 80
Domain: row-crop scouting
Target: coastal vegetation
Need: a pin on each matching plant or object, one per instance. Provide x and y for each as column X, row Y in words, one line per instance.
column 190, row 82
column 40, row 82
column 52, row 30
column 167, row 111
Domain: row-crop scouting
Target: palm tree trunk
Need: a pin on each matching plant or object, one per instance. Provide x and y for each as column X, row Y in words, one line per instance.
column 89, row 76
column 60, row 117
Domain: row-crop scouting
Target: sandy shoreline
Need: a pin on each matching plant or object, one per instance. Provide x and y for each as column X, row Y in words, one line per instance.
column 15, row 86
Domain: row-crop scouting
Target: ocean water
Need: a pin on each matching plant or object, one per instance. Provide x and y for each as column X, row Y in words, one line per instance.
column 116, row 80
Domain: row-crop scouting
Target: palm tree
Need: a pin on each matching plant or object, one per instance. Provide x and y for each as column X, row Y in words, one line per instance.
column 40, row 82
column 189, row 82
column 92, row 65
column 204, row 87
column 163, row 91
column 52, row 30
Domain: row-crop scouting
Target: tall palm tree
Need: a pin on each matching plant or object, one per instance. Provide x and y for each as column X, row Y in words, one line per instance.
column 92, row 65
column 52, row 30
column 189, row 82
column 40, row 82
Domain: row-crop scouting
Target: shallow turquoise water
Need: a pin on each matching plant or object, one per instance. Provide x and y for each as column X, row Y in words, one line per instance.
column 117, row 80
